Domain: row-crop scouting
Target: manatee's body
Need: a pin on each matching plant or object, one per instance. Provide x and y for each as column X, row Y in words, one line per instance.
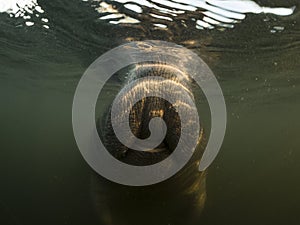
column 180, row 199
column 183, row 195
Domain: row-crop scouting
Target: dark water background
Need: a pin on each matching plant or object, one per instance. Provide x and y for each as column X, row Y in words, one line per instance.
column 44, row 179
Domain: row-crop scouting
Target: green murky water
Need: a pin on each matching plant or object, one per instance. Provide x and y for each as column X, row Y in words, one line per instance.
column 44, row 179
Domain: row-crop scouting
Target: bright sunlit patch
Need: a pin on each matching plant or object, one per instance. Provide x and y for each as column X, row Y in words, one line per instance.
column 134, row 8
column 211, row 13
column 20, row 7
column 111, row 16
column 204, row 24
column 26, row 9
column 219, row 14
column 45, row 20
column 160, row 25
column 161, row 17
column 127, row 20
column 29, row 24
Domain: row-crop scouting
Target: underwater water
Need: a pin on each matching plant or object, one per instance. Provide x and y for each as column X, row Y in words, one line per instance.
column 44, row 179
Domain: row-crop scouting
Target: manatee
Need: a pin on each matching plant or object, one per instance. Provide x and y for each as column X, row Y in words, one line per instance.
column 183, row 195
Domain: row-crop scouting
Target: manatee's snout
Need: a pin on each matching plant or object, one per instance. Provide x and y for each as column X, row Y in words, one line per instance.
column 142, row 112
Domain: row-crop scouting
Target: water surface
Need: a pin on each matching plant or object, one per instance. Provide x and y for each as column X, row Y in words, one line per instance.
column 44, row 179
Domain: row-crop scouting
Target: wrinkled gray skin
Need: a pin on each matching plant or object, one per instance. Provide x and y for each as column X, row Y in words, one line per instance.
column 182, row 195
